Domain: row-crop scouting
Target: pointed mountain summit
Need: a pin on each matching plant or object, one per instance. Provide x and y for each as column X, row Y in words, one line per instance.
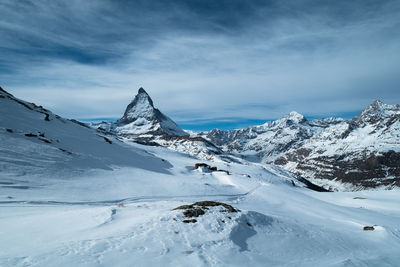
column 141, row 107
column 294, row 117
column 378, row 111
column 141, row 117
column 4, row 92
column 144, row 124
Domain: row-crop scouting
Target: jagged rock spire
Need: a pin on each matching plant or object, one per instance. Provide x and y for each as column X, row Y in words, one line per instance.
column 141, row 106
column 141, row 116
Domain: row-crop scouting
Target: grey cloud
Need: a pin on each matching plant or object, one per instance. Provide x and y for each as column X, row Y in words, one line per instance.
column 202, row 60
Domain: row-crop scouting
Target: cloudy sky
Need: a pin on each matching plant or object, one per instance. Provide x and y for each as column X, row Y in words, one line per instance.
column 205, row 63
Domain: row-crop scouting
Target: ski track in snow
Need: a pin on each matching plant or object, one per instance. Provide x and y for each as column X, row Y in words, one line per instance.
column 130, row 200
column 146, row 232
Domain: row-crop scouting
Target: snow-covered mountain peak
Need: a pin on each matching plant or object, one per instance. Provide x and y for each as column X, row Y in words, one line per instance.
column 143, row 123
column 141, row 107
column 378, row 110
column 377, row 107
column 144, row 96
column 295, row 117
column 288, row 120
column 141, row 117
column 142, row 91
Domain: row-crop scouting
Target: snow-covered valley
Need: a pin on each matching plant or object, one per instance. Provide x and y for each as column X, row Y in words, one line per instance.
column 125, row 217
column 73, row 196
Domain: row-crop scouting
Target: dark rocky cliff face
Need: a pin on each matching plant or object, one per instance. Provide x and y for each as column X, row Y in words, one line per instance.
column 361, row 171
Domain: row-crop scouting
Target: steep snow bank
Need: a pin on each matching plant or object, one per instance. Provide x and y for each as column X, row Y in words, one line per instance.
column 33, row 136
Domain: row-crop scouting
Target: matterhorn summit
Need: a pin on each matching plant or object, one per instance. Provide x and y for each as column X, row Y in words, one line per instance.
column 141, row 117
column 144, row 124
column 141, row 107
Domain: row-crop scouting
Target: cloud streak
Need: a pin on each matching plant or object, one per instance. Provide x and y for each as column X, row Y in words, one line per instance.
column 202, row 60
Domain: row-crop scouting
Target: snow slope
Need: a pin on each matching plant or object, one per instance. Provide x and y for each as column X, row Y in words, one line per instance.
column 31, row 135
column 125, row 217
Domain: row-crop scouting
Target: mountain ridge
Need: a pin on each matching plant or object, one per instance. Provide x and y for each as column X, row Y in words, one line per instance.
column 331, row 152
column 337, row 154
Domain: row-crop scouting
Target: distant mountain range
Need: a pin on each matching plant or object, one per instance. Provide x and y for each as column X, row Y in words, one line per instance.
column 334, row 153
column 338, row 154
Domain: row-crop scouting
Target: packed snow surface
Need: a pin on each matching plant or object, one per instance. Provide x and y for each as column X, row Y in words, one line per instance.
column 125, row 217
